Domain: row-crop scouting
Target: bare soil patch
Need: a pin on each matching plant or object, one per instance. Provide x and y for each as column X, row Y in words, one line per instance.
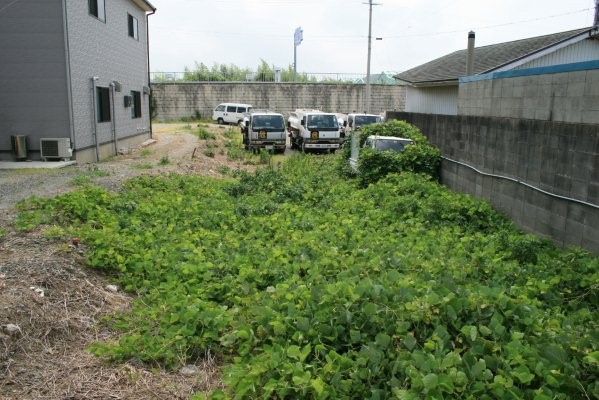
column 52, row 305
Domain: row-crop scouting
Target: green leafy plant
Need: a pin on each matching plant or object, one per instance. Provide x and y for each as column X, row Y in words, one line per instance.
column 231, row 134
column 96, row 171
column 235, row 153
column 308, row 286
column 374, row 165
column 80, row 180
column 205, row 134
column 164, row 160
column 143, row 166
column 209, row 153
column 145, row 152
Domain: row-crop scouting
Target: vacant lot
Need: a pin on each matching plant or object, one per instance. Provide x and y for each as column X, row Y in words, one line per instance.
column 51, row 304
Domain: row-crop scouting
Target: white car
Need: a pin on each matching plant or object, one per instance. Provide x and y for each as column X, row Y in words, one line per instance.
column 230, row 113
column 379, row 143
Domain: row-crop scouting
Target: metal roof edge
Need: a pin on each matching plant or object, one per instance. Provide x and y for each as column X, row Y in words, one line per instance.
column 144, row 5
column 553, row 69
column 587, row 33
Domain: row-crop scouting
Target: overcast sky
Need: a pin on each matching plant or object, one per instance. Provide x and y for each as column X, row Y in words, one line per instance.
column 243, row 32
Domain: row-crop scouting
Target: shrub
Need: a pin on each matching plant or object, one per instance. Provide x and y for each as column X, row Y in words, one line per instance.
column 419, row 158
column 209, row 153
column 204, row 134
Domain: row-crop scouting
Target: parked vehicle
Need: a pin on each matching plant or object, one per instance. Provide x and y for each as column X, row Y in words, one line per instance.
column 230, row 113
column 378, row 143
column 314, row 130
column 264, row 130
column 355, row 121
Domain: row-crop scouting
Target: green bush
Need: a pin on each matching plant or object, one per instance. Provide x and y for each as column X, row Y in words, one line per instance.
column 204, row 134
column 307, row 287
column 419, row 158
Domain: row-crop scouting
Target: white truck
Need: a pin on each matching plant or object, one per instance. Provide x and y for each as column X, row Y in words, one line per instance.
column 355, row 121
column 264, row 129
column 314, row 130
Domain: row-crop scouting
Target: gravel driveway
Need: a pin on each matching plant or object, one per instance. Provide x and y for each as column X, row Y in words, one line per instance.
column 176, row 149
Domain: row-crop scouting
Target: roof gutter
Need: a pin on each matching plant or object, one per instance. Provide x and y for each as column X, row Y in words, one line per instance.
column 451, row 82
column 145, row 5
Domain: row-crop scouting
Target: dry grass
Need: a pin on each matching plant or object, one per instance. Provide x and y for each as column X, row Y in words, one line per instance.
column 47, row 357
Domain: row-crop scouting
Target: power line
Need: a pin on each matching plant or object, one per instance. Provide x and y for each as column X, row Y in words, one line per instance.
column 488, row 26
column 335, row 38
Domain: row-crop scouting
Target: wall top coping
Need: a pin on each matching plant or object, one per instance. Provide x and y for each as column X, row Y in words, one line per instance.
column 554, row 69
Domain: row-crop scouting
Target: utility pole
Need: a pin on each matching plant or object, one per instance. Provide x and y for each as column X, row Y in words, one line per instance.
column 298, row 36
column 367, row 91
column 596, row 22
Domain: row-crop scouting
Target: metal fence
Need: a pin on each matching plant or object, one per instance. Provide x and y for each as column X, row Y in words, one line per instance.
column 285, row 76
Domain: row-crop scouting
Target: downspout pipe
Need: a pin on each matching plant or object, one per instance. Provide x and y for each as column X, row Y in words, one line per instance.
column 148, row 52
column 95, row 115
column 65, row 16
column 470, row 58
column 114, row 138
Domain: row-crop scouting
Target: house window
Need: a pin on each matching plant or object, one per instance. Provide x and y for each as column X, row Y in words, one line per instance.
column 97, row 9
column 135, row 104
column 133, row 27
column 102, row 104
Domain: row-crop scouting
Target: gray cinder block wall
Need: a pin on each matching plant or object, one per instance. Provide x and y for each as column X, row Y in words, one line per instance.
column 175, row 101
column 547, row 93
column 556, row 157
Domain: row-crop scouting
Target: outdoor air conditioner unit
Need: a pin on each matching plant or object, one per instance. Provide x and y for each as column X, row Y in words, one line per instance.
column 55, row 148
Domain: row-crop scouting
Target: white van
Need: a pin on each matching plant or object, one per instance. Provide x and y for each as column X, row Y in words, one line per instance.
column 230, row 113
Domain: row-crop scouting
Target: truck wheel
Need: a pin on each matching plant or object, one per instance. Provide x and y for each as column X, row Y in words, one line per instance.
column 220, row 121
column 304, row 150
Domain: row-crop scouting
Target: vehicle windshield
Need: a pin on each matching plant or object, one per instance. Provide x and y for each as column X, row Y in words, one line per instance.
column 361, row 120
column 268, row 122
column 322, row 122
column 393, row 145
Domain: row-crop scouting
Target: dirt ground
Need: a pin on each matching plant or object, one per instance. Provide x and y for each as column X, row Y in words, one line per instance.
column 51, row 304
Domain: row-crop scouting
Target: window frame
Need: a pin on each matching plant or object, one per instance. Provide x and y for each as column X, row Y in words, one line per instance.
column 103, row 113
column 132, row 27
column 135, row 104
column 97, row 9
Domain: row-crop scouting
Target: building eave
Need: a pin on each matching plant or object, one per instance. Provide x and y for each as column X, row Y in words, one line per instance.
column 590, row 34
column 451, row 82
column 144, row 5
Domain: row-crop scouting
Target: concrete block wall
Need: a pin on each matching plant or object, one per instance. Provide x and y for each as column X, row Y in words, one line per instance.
column 175, row 101
column 561, row 159
column 565, row 93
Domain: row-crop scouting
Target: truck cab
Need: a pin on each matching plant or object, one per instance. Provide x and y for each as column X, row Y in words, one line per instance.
column 355, row 121
column 314, row 130
column 264, row 129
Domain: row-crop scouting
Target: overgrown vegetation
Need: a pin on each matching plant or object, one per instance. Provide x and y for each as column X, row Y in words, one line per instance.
column 374, row 165
column 264, row 72
column 310, row 287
